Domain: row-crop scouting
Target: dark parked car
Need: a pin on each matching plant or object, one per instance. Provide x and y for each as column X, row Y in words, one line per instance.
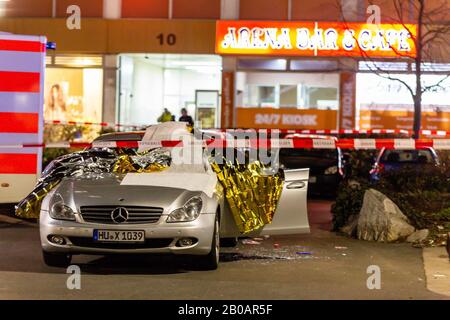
column 326, row 166
column 388, row 160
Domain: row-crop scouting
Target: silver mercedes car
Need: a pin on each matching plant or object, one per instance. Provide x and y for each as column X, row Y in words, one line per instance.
column 182, row 213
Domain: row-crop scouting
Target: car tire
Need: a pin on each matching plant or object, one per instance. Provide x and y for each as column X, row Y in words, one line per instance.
column 211, row 260
column 228, row 242
column 60, row 260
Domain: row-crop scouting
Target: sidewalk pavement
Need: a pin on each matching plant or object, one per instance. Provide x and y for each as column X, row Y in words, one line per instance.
column 437, row 270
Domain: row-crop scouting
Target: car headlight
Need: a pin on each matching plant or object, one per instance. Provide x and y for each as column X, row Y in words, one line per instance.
column 331, row 170
column 59, row 211
column 189, row 212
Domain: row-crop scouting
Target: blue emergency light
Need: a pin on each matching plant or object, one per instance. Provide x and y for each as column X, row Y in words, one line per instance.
column 51, row 46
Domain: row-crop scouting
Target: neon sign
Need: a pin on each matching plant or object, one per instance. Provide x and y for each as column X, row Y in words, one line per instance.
column 315, row 39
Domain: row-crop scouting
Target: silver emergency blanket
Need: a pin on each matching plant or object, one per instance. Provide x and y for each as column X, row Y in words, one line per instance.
column 91, row 164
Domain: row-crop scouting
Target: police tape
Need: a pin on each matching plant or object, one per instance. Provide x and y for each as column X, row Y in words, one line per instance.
column 100, row 124
column 294, row 143
column 97, row 144
column 317, row 131
column 441, row 133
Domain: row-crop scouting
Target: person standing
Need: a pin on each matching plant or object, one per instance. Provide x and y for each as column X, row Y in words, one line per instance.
column 166, row 116
column 186, row 118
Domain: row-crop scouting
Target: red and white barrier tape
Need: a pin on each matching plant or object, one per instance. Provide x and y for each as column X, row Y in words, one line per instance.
column 97, row 144
column 295, row 143
column 442, row 133
column 100, row 124
column 356, row 144
column 310, row 131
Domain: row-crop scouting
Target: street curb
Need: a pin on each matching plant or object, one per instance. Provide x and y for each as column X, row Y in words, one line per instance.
column 437, row 270
column 11, row 220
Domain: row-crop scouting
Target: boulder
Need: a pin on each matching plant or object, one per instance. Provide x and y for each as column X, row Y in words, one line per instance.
column 381, row 220
column 418, row 236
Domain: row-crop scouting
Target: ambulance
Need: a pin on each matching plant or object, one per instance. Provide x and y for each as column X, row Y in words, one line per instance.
column 22, row 67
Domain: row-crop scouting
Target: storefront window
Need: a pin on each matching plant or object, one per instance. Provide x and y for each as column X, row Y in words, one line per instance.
column 287, row 100
column 263, row 64
column 387, row 104
column 148, row 83
column 206, row 104
column 261, row 96
column 288, row 90
column 321, row 98
column 288, row 96
column 73, row 92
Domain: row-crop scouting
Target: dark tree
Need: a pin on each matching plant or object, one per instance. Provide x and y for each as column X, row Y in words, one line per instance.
column 432, row 42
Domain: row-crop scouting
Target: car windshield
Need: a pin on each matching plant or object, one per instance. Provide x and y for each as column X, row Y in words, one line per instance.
column 407, row 156
column 126, row 137
column 121, row 137
column 309, row 153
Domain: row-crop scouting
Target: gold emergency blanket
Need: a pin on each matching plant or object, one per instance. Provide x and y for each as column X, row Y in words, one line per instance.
column 30, row 207
column 252, row 196
column 125, row 164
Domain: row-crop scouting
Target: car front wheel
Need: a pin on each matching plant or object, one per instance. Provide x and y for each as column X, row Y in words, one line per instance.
column 211, row 261
column 60, row 260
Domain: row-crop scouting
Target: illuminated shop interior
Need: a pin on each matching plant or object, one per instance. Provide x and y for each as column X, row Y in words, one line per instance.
column 148, row 83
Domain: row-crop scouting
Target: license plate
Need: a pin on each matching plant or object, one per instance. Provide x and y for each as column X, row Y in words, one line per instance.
column 312, row 179
column 119, row 236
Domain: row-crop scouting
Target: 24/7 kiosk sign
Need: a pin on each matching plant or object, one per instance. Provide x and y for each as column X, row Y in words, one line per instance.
column 315, row 39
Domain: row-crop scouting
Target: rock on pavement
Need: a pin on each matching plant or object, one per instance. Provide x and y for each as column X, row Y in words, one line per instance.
column 418, row 236
column 381, row 220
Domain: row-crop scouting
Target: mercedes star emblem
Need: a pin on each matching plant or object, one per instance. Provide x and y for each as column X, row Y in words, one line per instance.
column 119, row 215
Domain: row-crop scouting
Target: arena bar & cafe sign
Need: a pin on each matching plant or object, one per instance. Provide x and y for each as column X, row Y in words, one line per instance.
column 337, row 39
column 312, row 39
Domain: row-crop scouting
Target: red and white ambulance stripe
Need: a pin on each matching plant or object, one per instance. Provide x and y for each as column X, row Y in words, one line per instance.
column 22, row 63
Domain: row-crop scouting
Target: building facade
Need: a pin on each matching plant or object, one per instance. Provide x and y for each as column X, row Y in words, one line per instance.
column 125, row 60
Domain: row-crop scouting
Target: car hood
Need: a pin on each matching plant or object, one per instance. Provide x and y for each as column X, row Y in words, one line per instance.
column 107, row 190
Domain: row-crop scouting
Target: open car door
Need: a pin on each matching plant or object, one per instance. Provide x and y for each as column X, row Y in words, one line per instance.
column 291, row 216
